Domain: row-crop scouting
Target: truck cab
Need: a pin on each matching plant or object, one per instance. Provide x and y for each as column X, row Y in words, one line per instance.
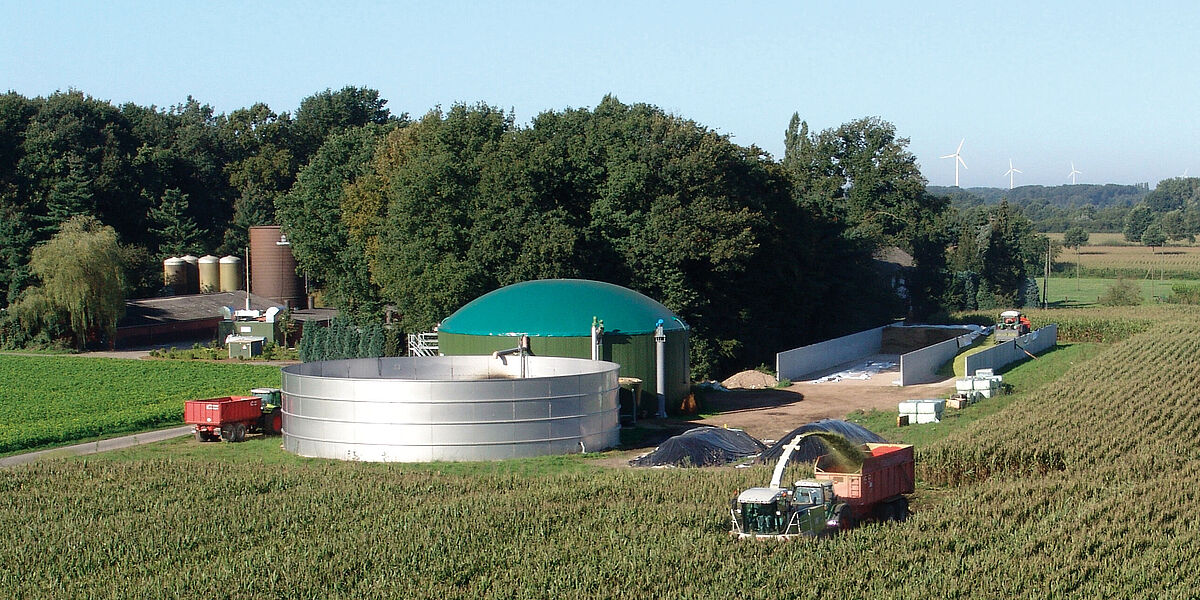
column 784, row 513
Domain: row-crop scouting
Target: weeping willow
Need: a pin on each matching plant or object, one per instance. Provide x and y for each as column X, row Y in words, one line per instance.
column 81, row 274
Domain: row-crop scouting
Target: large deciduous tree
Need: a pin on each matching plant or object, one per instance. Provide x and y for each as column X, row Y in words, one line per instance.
column 862, row 176
column 81, row 273
column 326, row 113
column 321, row 230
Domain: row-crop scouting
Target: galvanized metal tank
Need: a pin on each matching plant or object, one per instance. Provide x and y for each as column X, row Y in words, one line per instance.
column 273, row 268
column 175, row 274
column 232, row 276
column 419, row 409
column 210, row 274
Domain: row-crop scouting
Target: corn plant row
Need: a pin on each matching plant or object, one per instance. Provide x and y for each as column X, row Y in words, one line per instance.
column 191, row 528
column 1130, row 409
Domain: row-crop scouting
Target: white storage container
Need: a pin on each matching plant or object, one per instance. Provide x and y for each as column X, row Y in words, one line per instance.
column 935, row 407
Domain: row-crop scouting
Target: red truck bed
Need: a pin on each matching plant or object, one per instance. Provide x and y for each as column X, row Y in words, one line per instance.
column 887, row 471
column 218, row 411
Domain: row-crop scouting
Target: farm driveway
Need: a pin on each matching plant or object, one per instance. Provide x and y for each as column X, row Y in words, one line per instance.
column 770, row 413
column 98, row 446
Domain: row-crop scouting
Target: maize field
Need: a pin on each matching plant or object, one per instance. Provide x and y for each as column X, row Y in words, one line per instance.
column 1086, row 487
column 1170, row 258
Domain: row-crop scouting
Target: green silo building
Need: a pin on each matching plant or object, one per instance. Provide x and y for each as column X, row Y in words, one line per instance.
column 557, row 315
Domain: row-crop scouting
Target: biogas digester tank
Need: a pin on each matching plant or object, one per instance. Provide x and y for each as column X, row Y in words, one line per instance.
column 557, row 316
column 426, row 408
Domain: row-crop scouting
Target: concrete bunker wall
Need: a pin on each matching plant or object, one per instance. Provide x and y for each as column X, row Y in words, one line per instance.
column 921, row 366
column 922, row 350
column 1012, row 351
column 796, row 363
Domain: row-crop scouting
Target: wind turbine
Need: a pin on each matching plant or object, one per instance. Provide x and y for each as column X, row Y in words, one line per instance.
column 957, row 156
column 1073, row 173
column 1010, row 172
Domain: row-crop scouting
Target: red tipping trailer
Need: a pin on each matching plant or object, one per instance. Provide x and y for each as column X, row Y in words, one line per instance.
column 877, row 489
column 228, row 417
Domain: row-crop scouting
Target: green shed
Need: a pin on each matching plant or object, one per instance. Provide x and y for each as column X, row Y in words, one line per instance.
column 557, row 315
column 245, row 346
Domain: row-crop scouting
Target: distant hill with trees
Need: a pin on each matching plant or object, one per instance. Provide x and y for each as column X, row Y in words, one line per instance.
column 1096, row 208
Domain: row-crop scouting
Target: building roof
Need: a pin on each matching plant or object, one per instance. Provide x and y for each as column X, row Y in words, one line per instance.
column 191, row 307
column 316, row 315
column 894, row 255
column 560, row 308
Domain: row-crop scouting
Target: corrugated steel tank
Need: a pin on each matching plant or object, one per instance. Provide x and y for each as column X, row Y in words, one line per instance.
column 273, row 268
column 232, row 275
column 557, row 315
column 210, row 274
column 419, row 409
column 175, row 274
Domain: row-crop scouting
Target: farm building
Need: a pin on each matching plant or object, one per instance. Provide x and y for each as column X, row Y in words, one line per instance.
column 557, row 315
column 194, row 317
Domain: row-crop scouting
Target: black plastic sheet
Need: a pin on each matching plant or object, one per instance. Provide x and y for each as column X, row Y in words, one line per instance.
column 702, row 447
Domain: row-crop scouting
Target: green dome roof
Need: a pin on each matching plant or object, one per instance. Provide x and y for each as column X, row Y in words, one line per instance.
column 559, row 307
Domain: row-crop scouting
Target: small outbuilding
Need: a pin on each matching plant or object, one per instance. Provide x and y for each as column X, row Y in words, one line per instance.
column 245, row 346
column 559, row 316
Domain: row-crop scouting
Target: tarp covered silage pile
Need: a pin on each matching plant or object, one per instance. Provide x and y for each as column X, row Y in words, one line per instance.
column 812, row 447
column 702, row 447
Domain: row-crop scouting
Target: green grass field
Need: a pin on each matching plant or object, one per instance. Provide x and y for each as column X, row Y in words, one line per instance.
column 1068, row 292
column 53, row 400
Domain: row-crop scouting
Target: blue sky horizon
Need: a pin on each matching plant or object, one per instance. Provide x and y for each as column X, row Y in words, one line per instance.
column 1107, row 86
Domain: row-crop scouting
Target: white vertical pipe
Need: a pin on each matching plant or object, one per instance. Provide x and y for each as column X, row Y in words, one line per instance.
column 597, row 339
column 660, row 364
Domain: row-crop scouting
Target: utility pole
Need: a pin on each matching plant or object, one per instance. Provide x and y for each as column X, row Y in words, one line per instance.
column 1046, row 278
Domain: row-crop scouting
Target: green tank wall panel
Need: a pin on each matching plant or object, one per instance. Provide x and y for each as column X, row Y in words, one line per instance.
column 635, row 354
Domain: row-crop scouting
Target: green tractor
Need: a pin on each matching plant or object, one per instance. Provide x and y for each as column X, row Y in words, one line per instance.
column 272, row 409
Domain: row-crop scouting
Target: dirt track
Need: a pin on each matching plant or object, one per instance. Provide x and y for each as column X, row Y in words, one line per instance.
column 770, row 413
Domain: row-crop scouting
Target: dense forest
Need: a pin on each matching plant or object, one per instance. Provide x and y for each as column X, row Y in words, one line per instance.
column 416, row 217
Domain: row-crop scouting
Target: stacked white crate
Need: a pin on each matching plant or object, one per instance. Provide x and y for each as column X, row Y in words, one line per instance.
column 983, row 384
column 923, row 411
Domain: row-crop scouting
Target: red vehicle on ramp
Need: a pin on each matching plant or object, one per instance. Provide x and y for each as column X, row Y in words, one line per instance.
column 229, row 418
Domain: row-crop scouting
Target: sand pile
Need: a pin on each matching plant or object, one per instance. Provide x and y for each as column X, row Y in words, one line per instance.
column 750, row 380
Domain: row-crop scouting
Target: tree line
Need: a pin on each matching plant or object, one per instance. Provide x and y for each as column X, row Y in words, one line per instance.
column 1095, row 208
column 169, row 181
column 411, row 219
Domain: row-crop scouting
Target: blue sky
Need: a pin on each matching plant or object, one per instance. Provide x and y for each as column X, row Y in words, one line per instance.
column 1110, row 86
